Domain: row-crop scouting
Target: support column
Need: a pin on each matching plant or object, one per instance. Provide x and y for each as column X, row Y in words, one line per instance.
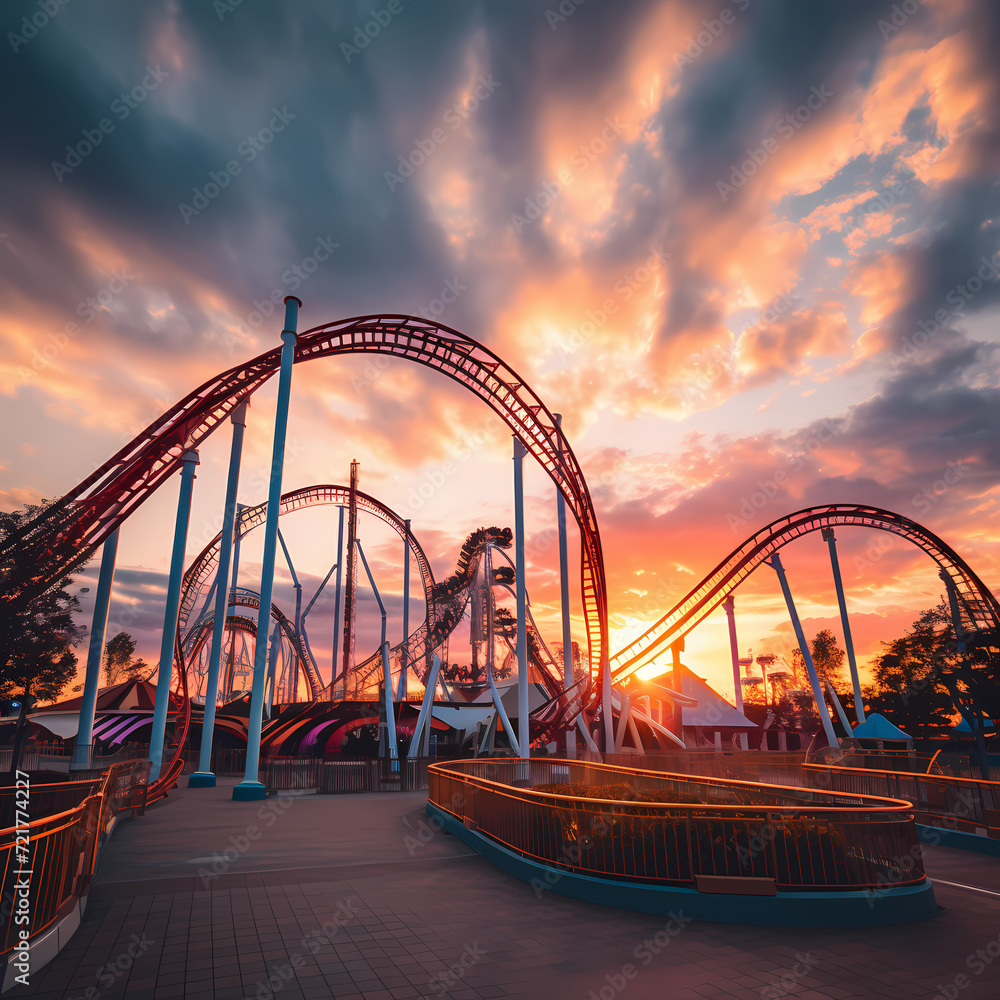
column 250, row 787
column 824, row 715
column 567, row 636
column 83, row 751
column 734, row 650
column 859, row 705
column 293, row 683
column 523, row 734
column 167, row 640
column 204, row 776
column 336, row 603
column 403, row 662
column 350, row 584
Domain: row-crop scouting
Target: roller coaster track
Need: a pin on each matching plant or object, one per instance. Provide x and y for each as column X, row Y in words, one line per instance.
column 979, row 608
column 205, row 566
column 68, row 531
column 201, row 632
column 364, row 678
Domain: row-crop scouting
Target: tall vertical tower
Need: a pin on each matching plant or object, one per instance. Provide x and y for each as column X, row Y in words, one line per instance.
column 350, row 594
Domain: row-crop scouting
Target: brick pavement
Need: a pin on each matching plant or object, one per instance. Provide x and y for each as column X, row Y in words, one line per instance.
column 416, row 906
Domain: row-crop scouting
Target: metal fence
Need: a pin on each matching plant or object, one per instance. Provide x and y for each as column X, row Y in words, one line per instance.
column 62, row 845
column 801, row 838
column 968, row 805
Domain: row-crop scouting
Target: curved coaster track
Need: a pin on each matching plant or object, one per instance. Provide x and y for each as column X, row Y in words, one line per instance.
column 66, row 533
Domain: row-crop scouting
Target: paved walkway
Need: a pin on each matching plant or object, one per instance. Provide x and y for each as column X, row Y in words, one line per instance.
column 408, row 913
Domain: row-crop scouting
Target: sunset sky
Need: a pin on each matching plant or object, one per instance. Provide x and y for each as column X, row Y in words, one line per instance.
column 724, row 241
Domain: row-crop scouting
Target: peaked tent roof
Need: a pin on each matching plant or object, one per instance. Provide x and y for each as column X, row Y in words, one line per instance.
column 878, row 727
column 130, row 694
column 712, row 709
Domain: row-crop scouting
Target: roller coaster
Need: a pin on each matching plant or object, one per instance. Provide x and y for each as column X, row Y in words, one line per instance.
column 66, row 533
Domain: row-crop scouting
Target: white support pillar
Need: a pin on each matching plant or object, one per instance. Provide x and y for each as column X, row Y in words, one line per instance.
column 204, row 777
column 734, row 651
column 167, row 640
column 83, row 751
column 250, row 787
column 859, row 705
column 567, row 635
column 824, row 715
column 523, row 723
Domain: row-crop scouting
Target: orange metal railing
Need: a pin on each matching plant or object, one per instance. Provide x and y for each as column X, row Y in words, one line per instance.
column 63, row 846
column 802, row 838
column 968, row 805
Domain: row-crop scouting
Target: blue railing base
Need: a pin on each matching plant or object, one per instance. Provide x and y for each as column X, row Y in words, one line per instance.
column 890, row 905
column 958, row 838
column 249, row 791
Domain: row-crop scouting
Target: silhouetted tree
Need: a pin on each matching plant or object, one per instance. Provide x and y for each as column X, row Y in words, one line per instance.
column 118, row 657
column 827, row 658
column 37, row 636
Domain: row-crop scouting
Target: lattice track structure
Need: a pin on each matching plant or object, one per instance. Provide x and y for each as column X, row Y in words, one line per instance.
column 204, row 568
column 979, row 608
column 68, row 531
column 201, row 633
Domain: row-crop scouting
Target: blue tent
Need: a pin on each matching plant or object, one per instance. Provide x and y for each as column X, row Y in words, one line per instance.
column 878, row 727
column 963, row 727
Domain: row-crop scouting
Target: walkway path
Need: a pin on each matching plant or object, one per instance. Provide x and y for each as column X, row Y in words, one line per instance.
column 403, row 903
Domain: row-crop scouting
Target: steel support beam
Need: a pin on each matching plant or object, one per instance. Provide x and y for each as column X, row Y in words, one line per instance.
column 167, row 640
column 824, row 715
column 859, row 705
column 204, row 776
column 250, row 787
column 83, row 751
column 523, row 723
